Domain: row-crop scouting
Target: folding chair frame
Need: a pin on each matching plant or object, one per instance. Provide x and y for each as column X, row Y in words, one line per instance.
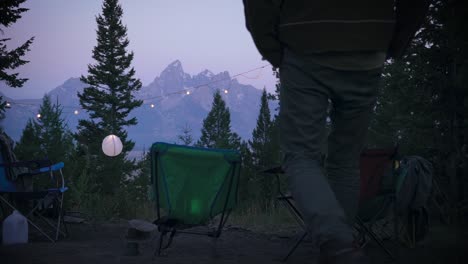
column 287, row 201
column 56, row 195
column 389, row 204
column 171, row 227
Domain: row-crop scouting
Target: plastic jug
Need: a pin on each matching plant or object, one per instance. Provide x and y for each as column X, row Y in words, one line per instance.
column 15, row 229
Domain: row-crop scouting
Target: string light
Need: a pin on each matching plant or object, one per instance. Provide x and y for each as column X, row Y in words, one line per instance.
column 254, row 77
column 211, row 82
column 187, row 92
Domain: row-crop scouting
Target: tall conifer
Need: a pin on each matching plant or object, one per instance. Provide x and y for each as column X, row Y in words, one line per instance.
column 262, row 147
column 10, row 12
column 216, row 130
column 261, row 136
column 46, row 137
column 109, row 98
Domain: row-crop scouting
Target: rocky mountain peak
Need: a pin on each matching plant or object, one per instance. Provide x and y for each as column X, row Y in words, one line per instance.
column 172, row 112
column 206, row 73
column 173, row 69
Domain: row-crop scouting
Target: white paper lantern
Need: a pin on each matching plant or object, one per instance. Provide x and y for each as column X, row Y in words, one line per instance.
column 112, row 146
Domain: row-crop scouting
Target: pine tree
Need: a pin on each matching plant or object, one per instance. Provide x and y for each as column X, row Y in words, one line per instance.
column 276, row 95
column 139, row 184
column 186, row 137
column 275, row 139
column 263, row 157
column 10, row 12
column 28, row 148
column 109, row 98
column 46, row 137
column 248, row 190
column 216, row 131
column 261, row 135
column 423, row 104
column 56, row 138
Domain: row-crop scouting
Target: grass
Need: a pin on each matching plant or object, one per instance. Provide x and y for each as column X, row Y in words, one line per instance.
column 275, row 219
column 250, row 216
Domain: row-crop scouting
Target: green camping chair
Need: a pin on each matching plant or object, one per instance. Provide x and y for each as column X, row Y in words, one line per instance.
column 191, row 186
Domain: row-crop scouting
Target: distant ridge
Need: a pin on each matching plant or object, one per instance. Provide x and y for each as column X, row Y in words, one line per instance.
column 165, row 121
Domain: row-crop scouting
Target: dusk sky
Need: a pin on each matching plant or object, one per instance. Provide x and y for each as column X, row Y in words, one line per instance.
column 208, row 34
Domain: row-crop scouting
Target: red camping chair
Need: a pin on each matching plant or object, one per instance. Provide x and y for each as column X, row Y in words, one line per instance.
column 373, row 165
column 378, row 175
column 376, row 198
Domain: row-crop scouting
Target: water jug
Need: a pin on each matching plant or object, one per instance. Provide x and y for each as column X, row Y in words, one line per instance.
column 15, row 229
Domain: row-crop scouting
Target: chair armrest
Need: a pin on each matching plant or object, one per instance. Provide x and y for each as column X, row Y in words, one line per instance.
column 54, row 167
column 49, row 169
column 30, row 164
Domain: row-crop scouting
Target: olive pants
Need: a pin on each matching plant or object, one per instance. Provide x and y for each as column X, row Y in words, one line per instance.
column 327, row 197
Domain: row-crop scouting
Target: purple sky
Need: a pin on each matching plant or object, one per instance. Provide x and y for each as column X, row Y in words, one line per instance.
column 208, row 34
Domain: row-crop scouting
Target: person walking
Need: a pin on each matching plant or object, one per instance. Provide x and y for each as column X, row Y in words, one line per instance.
column 329, row 51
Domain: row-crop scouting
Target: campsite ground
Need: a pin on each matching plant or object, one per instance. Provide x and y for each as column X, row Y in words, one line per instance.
column 105, row 243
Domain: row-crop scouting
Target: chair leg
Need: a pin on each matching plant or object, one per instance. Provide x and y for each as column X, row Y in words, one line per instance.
column 375, row 238
column 294, row 211
column 160, row 245
column 222, row 222
column 172, row 232
column 59, row 221
column 291, row 251
column 64, row 225
column 54, row 226
column 65, row 228
column 297, row 216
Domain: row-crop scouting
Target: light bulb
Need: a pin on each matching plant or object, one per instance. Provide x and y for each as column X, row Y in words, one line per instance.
column 38, row 116
column 152, row 105
column 76, row 112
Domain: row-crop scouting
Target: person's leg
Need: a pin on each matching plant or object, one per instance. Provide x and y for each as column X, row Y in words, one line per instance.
column 303, row 106
column 353, row 99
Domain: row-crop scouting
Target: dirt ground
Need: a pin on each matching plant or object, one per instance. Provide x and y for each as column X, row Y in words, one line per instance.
column 105, row 243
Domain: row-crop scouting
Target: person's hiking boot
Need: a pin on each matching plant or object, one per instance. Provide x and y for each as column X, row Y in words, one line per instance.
column 338, row 253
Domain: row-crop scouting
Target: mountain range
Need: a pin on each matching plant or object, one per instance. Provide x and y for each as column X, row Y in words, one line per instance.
column 179, row 100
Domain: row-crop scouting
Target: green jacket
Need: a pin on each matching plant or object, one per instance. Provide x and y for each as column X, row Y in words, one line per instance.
column 332, row 25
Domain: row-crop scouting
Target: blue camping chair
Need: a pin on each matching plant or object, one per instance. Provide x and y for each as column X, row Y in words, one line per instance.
column 15, row 192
